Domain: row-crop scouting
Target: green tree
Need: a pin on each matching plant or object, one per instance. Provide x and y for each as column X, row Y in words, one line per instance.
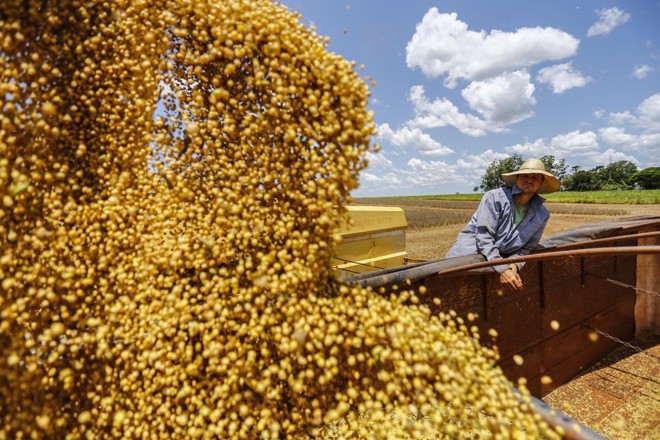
column 648, row 178
column 617, row 175
column 491, row 179
column 582, row 180
column 556, row 167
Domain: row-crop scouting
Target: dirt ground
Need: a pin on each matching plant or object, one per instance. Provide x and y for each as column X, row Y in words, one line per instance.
column 433, row 242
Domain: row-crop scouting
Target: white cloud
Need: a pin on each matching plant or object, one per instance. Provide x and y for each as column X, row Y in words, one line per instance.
column 575, row 142
column 415, row 175
column 476, row 164
column 412, row 138
column 430, row 174
column 649, row 114
column 442, row 113
column 589, row 149
column 379, row 185
column 610, row 143
column 562, row 77
column 621, row 118
column 637, row 132
column 427, row 175
column 378, row 160
column 384, row 176
column 609, row 19
column 384, row 181
column 443, row 45
column 503, row 100
column 605, row 157
column 562, row 146
column 641, row 72
column 617, row 137
column 481, row 160
column 381, row 173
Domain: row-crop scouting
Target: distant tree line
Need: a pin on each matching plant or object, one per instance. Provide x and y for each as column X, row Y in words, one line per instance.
column 618, row 175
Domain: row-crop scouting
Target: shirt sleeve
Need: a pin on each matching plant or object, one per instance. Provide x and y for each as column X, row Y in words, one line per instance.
column 488, row 215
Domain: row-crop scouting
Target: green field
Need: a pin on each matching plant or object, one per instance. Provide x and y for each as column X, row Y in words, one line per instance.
column 636, row 197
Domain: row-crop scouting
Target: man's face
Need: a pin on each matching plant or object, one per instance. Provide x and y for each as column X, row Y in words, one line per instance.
column 530, row 183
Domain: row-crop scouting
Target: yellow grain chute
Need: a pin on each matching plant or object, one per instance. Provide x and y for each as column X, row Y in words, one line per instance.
column 374, row 237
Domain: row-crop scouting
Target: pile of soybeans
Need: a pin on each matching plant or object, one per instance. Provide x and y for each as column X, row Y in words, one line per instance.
column 172, row 174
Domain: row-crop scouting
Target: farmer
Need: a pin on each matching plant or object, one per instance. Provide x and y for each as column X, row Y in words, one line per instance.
column 509, row 221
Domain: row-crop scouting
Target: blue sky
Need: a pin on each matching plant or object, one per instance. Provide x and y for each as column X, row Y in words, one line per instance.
column 460, row 83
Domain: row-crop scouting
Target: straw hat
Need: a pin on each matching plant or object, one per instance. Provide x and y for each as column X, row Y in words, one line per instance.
column 534, row 166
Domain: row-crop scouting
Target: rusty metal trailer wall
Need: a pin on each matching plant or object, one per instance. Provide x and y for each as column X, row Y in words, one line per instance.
column 571, row 292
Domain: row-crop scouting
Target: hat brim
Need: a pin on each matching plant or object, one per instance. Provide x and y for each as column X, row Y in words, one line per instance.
column 550, row 184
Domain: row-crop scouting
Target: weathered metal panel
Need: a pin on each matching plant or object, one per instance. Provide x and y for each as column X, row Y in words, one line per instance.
column 455, row 293
column 529, row 369
column 566, row 306
column 561, row 346
column 571, row 292
column 544, row 322
column 517, row 319
column 647, row 306
column 564, row 353
column 561, row 357
column 617, row 322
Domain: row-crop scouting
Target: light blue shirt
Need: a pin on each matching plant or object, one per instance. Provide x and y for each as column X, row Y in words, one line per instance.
column 491, row 231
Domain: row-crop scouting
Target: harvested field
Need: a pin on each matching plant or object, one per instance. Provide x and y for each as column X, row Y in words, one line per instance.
column 434, row 224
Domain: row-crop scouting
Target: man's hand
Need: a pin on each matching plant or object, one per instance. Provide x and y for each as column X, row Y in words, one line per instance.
column 510, row 278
